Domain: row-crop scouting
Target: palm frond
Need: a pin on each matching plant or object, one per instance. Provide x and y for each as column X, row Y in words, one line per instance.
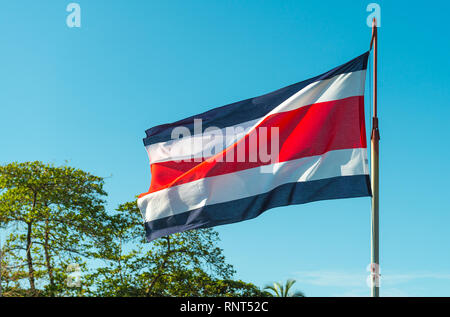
column 298, row 294
column 274, row 288
column 288, row 286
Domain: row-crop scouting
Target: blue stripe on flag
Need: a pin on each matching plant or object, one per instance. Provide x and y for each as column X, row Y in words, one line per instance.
column 251, row 207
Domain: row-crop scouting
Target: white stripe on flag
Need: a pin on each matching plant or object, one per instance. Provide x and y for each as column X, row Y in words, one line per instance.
column 250, row 182
column 197, row 145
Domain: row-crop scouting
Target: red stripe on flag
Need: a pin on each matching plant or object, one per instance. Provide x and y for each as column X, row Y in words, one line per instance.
column 306, row 131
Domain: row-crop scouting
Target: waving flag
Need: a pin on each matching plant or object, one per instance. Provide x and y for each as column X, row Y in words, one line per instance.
column 302, row 143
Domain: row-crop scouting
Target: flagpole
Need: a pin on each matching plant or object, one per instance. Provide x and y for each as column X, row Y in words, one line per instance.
column 374, row 146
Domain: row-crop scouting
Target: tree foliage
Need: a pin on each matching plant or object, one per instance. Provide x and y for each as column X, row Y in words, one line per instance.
column 59, row 219
column 58, row 215
column 183, row 264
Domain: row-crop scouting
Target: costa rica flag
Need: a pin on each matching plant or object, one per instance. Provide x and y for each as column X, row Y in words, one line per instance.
column 299, row 144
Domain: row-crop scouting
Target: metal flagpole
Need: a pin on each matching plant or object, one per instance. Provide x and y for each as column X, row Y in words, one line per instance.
column 374, row 147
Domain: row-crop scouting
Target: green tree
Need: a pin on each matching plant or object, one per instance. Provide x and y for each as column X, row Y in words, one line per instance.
column 59, row 217
column 183, row 264
column 9, row 277
column 279, row 290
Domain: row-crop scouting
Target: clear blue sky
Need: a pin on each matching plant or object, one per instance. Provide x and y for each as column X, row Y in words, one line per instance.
column 87, row 95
